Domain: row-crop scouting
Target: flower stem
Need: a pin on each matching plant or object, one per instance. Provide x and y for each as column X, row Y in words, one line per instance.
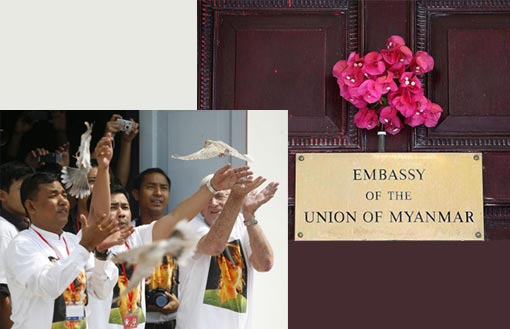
column 381, row 139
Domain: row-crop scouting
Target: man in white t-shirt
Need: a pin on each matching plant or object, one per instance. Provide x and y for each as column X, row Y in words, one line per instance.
column 51, row 273
column 151, row 190
column 12, row 221
column 216, row 285
column 130, row 311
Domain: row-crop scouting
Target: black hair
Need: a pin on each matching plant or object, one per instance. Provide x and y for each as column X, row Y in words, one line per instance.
column 115, row 188
column 31, row 183
column 137, row 182
column 11, row 172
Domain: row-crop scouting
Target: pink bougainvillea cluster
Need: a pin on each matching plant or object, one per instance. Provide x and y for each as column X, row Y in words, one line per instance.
column 385, row 88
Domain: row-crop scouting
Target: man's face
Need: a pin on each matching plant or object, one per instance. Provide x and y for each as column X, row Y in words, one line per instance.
column 50, row 208
column 153, row 194
column 119, row 210
column 214, row 208
column 91, row 177
column 11, row 199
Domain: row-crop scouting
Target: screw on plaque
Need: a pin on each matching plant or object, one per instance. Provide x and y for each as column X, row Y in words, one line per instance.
column 476, row 157
column 300, row 234
column 301, row 158
column 478, row 234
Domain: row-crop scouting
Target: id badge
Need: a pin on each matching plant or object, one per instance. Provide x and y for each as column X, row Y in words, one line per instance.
column 75, row 312
column 130, row 321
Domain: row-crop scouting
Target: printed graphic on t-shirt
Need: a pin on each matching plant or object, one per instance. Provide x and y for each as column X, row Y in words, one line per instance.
column 226, row 281
column 163, row 281
column 128, row 308
column 73, row 298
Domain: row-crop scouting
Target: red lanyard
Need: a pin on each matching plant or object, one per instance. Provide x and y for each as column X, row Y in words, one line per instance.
column 46, row 241
column 71, row 286
column 131, row 294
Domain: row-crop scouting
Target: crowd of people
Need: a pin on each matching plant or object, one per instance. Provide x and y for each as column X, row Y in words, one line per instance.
column 56, row 250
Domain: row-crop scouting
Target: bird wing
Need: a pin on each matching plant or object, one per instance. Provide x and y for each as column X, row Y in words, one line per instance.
column 180, row 245
column 207, row 152
column 75, row 180
column 233, row 152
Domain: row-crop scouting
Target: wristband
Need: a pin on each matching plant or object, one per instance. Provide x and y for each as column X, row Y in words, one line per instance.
column 101, row 255
column 250, row 222
column 210, row 187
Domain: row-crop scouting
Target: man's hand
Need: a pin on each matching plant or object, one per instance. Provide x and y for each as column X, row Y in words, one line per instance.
column 246, row 185
column 226, row 177
column 128, row 136
column 104, row 151
column 95, row 230
column 32, row 158
column 64, row 150
column 116, row 238
column 113, row 126
column 255, row 199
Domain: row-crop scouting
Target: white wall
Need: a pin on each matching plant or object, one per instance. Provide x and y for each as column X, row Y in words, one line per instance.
column 267, row 143
column 164, row 133
column 98, row 54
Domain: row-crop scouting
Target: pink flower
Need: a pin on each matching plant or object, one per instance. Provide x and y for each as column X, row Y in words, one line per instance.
column 404, row 102
column 432, row 116
column 411, row 83
column 346, row 92
column 387, row 83
column 358, row 102
column 395, row 41
column 422, row 63
column 415, row 120
column 353, row 77
column 390, row 120
column 385, row 88
column 339, row 67
column 401, row 54
column 366, row 118
column 370, row 91
column 374, row 64
column 355, row 60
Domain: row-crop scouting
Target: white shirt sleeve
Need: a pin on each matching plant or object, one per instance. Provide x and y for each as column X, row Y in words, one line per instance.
column 101, row 278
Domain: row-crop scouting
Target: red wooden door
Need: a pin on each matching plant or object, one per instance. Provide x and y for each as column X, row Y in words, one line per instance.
column 278, row 55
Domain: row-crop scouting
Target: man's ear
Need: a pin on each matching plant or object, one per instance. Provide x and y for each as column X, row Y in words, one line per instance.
column 135, row 194
column 29, row 204
column 3, row 195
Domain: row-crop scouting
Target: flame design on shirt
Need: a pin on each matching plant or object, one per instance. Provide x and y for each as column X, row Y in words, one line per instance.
column 231, row 280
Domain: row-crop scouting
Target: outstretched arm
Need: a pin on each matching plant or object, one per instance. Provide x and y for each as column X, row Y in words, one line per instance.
column 223, row 179
column 124, row 161
column 213, row 243
column 100, row 203
column 262, row 254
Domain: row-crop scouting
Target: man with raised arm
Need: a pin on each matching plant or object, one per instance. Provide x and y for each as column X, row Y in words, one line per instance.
column 216, row 285
column 130, row 311
column 51, row 273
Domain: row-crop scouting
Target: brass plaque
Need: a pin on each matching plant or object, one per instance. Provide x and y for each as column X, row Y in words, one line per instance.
column 389, row 196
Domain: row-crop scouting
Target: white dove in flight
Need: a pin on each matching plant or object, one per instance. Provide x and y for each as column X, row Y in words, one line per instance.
column 75, row 179
column 213, row 149
column 180, row 245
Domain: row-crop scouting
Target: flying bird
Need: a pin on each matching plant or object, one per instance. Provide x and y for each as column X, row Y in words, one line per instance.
column 75, row 179
column 180, row 245
column 213, row 149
